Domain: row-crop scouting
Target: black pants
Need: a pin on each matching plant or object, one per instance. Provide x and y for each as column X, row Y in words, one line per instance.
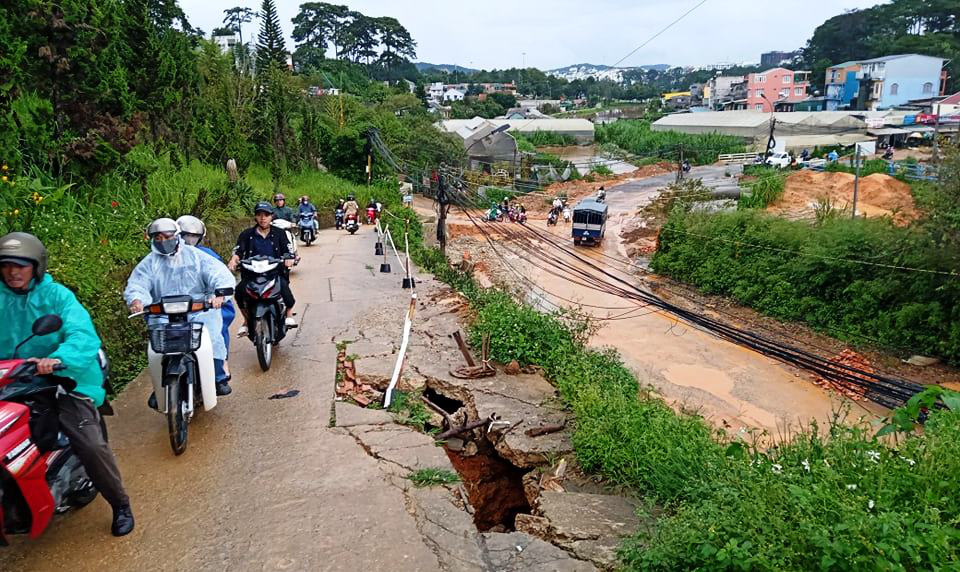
column 80, row 422
column 285, row 293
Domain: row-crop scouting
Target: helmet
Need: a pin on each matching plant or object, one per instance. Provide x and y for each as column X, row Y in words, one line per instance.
column 304, row 199
column 168, row 246
column 349, row 197
column 279, row 197
column 191, row 225
column 23, row 247
column 263, row 207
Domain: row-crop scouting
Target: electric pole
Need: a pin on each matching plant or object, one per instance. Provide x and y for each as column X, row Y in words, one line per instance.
column 856, row 179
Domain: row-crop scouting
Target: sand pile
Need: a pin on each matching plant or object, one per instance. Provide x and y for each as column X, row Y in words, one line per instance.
column 878, row 195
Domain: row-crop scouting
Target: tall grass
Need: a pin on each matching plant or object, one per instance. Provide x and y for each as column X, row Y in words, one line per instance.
column 638, row 138
column 764, row 190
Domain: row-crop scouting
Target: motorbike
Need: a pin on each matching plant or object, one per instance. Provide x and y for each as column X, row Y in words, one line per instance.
column 338, row 218
column 494, row 214
column 552, row 218
column 267, row 312
column 308, row 227
column 40, row 475
column 353, row 224
column 288, row 227
column 180, row 362
column 371, row 215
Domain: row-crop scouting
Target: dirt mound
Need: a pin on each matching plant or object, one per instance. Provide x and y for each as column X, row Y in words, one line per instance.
column 878, row 195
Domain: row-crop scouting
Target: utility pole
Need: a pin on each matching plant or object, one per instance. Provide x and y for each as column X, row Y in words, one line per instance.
column 442, row 202
column 935, row 156
column 680, row 164
column 856, row 179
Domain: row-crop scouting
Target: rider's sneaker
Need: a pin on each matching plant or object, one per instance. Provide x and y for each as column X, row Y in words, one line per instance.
column 242, row 332
column 290, row 323
column 152, row 401
column 223, row 388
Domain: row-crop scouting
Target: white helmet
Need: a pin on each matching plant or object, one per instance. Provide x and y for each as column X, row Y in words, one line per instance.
column 169, row 246
column 192, row 229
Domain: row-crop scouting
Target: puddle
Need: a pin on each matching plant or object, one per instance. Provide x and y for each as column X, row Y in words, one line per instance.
column 494, row 487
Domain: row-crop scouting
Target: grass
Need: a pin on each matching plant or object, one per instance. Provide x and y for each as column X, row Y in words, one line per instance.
column 833, row 497
column 765, row 189
column 637, row 137
column 432, row 477
column 407, row 409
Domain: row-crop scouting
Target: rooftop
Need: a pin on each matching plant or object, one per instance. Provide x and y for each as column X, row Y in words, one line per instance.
column 896, row 57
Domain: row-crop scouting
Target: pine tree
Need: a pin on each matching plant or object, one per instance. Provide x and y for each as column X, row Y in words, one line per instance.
column 271, row 51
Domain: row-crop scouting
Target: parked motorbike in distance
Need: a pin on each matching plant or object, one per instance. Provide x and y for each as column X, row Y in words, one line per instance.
column 308, row 228
column 338, row 218
column 180, row 362
column 288, row 227
column 40, row 475
column 353, row 224
column 267, row 312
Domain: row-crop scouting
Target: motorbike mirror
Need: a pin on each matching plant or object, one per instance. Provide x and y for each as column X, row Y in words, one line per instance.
column 47, row 325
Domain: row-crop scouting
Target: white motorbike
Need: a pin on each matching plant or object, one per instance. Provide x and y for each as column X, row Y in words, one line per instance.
column 180, row 362
column 289, row 228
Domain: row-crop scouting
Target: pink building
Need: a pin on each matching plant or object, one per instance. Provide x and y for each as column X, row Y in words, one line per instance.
column 776, row 85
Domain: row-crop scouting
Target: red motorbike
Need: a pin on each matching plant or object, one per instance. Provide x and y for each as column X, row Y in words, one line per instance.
column 353, row 224
column 371, row 215
column 40, row 475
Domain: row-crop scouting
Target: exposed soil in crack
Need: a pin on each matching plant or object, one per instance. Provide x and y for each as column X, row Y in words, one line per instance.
column 494, row 487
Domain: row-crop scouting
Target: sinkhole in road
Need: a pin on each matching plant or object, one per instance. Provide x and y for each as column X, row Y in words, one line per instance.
column 494, row 486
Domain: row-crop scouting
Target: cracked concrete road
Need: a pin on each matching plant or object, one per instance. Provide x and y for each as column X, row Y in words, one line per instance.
column 265, row 484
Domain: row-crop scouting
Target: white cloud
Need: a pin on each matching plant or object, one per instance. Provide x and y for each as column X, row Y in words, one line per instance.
column 555, row 33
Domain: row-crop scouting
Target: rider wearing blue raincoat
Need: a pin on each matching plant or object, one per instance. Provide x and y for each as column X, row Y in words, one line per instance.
column 174, row 268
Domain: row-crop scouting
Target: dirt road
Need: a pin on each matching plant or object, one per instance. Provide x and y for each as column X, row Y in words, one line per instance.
column 265, row 484
column 731, row 385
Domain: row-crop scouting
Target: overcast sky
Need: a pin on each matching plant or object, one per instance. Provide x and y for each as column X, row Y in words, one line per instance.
column 554, row 33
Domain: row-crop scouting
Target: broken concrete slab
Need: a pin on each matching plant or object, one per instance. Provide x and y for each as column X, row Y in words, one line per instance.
column 519, row 552
column 371, row 348
column 377, row 372
column 590, row 526
column 402, row 446
column 349, row 415
column 447, row 529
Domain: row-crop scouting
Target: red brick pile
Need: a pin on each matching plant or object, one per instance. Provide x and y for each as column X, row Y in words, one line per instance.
column 347, row 385
column 852, row 359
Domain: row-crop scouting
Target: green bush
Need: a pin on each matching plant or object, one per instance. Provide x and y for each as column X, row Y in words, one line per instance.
column 765, row 190
column 638, row 138
column 793, row 271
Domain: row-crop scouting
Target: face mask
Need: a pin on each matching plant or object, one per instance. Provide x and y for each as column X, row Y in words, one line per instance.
column 166, row 247
column 192, row 239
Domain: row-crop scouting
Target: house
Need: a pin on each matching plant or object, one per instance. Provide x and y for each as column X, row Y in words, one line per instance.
column 524, row 113
column 894, row 80
column 505, row 88
column 841, row 85
column 808, row 104
column 767, row 88
column 435, row 91
column 452, row 95
column 676, row 100
column 582, row 130
column 719, row 90
column 226, row 42
column 485, row 142
column 949, row 105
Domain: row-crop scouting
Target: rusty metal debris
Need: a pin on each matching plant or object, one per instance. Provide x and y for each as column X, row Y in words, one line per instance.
column 545, row 429
column 472, row 371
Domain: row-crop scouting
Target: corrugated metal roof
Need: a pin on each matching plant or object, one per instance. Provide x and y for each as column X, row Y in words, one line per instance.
column 526, row 125
column 897, row 57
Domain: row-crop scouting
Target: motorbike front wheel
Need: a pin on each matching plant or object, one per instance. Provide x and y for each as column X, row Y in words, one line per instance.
column 176, row 420
column 262, row 341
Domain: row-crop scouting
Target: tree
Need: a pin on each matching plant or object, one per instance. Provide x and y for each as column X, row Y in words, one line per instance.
column 359, row 38
column 234, row 19
column 397, row 42
column 271, row 50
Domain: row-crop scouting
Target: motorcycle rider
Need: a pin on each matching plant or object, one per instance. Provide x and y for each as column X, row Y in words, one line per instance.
column 175, row 268
column 193, row 232
column 281, row 210
column 266, row 240
column 351, row 207
column 306, row 207
column 28, row 292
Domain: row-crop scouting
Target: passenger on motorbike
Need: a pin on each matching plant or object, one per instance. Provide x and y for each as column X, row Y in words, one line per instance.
column 175, row 268
column 28, row 293
column 351, row 206
column 193, row 232
column 280, row 210
column 266, row 240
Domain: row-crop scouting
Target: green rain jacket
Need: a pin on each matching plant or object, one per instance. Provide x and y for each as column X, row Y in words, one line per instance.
column 76, row 344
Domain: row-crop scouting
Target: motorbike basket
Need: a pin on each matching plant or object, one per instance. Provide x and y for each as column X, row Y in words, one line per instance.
column 175, row 338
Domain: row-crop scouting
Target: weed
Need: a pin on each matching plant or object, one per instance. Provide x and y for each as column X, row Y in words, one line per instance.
column 407, row 409
column 352, row 357
column 432, row 477
column 765, row 190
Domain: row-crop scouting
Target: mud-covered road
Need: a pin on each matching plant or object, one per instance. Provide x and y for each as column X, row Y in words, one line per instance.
column 265, row 484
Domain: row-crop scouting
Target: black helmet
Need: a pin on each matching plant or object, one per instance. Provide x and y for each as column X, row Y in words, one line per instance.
column 279, row 197
column 263, row 207
column 349, row 197
column 20, row 247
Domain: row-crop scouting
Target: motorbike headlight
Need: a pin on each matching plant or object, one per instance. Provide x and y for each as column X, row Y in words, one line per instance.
column 176, row 307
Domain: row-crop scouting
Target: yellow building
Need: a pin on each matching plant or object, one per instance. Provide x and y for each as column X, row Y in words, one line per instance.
column 673, row 94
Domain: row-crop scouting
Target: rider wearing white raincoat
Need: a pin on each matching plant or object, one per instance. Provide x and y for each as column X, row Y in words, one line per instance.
column 174, row 268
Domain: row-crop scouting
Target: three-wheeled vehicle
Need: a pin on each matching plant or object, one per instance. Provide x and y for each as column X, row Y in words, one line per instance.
column 589, row 222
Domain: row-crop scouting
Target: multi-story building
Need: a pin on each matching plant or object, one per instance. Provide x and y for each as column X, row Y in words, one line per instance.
column 766, row 89
column 889, row 81
column 719, row 90
column 841, row 85
column 226, row 42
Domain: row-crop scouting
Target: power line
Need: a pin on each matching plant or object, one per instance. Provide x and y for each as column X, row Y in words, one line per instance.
column 655, row 36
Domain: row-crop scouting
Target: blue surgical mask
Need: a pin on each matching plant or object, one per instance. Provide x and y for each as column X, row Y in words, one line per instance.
column 166, row 247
